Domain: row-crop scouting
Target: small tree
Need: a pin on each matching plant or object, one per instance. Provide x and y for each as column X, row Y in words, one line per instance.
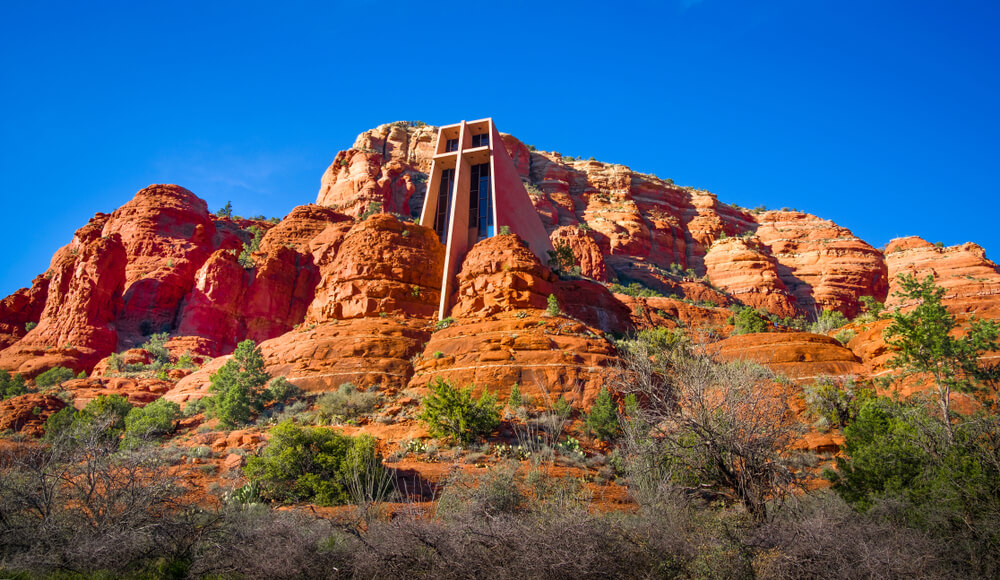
column 226, row 211
column 11, row 386
column 561, row 259
column 602, row 420
column 454, row 413
column 553, row 306
column 828, row 320
column 155, row 419
column 246, row 256
column 836, row 404
column 238, row 390
column 924, row 343
column 748, row 321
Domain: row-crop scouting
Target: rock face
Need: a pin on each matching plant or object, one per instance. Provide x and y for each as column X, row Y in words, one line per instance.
column 585, row 249
column 380, row 265
column 748, row 272
column 972, row 282
column 20, row 309
column 800, row 356
column 822, row 264
column 168, row 234
column 27, row 413
column 76, row 329
column 500, row 274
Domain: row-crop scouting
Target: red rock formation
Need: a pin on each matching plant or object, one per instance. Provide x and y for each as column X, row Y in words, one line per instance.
column 76, row 328
column 300, row 228
column 168, row 234
column 364, row 351
column 797, row 355
column 21, row 308
column 587, row 252
column 27, row 413
column 748, row 273
column 822, row 264
column 138, row 391
column 500, row 274
column 380, row 265
column 546, row 356
column 971, row 281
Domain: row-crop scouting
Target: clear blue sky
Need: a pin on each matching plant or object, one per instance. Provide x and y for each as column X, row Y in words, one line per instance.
column 882, row 116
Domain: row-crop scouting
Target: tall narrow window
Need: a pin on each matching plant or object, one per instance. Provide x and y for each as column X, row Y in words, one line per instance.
column 444, row 203
column 451, row 145
column 481, row 201
column 481, row 140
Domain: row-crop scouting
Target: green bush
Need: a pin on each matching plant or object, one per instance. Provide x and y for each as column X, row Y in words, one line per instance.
column 602, row 420
column 836, row 404
column 828, row 320
column 54, row 376
column 748, row 321
column 562, row 260
column 344, row 404
column 318, row 465
column 872, row 310
column 246, row 256
column 238, row 391
column 635, row 289
column 155, row 419
column 454, row 413
column 104, row 417
column 226, row 211
column 11, row 386
column 156, row 347
column 845, row 336
column 515, row 401
column 28, row 327
column 281, row 391
column 562, row 408
column 553, row 306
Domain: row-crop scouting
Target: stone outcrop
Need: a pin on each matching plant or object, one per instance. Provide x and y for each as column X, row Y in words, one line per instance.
column 379, row 265
column 586, row 250
column 971, row 281
column 749, row 273
column 21, row 309
column 822, row 264
column 800, row 356
column 76, row 329
column 27, row 414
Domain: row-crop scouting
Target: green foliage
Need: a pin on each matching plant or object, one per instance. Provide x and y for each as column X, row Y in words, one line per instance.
column 561, row 259
column 635, row 289
column 602, row 420
column 29, row 326
column 504, row 230
column 154, row 420
column 923, row 342
column 748, row 321
column 246, row 256
column 374, row 207
column 281, row 391
column 156, row 347
column 53, row 376
column 871, row 310
column 11, row 386
column 318, row 465
column 845, row 336
column 226, row 211
column 344, row 404
column 454, row 413
column 103, row 416
column 828, row 320
column 562, row 408
column 553, row 306
column 238, row 392
column 836, row 404
column 444, row 323
column 515, row 401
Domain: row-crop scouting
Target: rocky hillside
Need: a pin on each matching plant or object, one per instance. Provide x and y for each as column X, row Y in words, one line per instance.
column 333, row 298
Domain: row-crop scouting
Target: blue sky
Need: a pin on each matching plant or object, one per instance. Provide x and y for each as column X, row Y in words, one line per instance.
column 882, row 116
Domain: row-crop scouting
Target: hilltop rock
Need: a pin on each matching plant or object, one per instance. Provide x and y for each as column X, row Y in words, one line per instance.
column 21, row 308
column 501, row 274
column 822, row 264
column 971, row 281
column 586, row 250
column 76, row 328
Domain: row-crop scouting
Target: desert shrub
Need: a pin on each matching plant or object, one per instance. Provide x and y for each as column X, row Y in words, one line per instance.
column 828, row 320
column 562, row 408
column 156, row 347
column 845, row 336
column 634, row 289
column 561, row 259
column 102, row 418
column 836, row 403
column 454, row 413
column 29, row 326
column 553, row 306
column 748, row 320
column 154, row 420
column 318, row 465
column 226, row 211
column 872, row 310
column 11, row 386
column 344, row 404
column 54, row 376
column 238, row 390
column 444, row 323
column 374, row 207
column 515, row 401
column 602, row 420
